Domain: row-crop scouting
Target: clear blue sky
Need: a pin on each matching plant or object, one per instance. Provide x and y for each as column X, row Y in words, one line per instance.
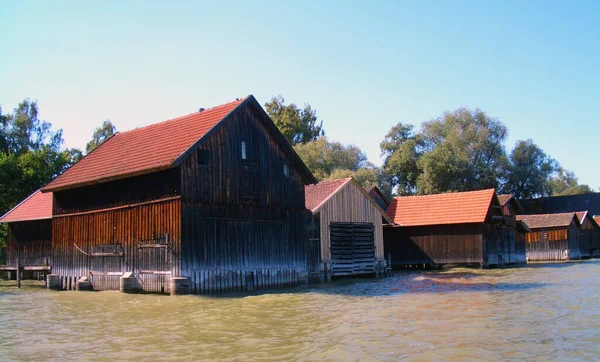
column 364, row 66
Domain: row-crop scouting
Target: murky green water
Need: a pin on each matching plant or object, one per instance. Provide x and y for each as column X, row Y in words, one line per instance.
column 545, row 312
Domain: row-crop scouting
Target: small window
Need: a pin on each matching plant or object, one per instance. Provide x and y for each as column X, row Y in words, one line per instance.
column 244, row 155
column 203, row 156
column 286, row 170
column 544, row 235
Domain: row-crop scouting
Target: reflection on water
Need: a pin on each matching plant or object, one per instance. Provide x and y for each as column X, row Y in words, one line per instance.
column 547, row 312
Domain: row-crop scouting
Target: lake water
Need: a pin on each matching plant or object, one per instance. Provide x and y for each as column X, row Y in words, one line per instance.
column 543, row 311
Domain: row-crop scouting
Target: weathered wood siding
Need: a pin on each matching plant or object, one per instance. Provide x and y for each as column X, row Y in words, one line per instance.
column 588, row 238
column 435, row 244
column 520, row 247
column 553, row 244
column 350, row 205
column 513, row 243
column 240, row 217
column 118, row 217
column 122, row 230
column 30, row 241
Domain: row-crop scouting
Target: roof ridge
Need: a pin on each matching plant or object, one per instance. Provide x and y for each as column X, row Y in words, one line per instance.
column 239, row 100
column 324, row 182
column 445, row 194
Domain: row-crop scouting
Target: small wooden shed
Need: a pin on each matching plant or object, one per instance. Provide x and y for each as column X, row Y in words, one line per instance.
column 514, row 245
column 215, row 198
column 553, row 237
column 350, row 227
column 464, row 228
column 29, row 238
column 589, row 235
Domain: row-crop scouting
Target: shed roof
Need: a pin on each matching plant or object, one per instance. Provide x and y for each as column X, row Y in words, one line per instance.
column 505, row 198
column 540, row 221
column 597, row 219
column 317, row 195
column 442, row 209
column 581, row 215
column 378, row 191
column 152, row 148
column 37, row 206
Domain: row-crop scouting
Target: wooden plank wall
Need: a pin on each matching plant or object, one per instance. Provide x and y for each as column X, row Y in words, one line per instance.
column 350, row 205
column 492, row 244
column 520, row 247
column 436, row 244
column 30, row 241
column 125, row 226
column 552, row 244
column 588, row 239
column 235, row 221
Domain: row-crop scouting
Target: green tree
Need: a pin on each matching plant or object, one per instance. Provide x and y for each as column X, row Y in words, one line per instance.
column 100, row 135
column 564, row 182
column 458, row 151
column 333, row 160
column 30, row 155
column 528, row 172
column 297, row 125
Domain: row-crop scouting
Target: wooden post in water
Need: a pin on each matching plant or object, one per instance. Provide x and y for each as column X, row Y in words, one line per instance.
column 18, row 273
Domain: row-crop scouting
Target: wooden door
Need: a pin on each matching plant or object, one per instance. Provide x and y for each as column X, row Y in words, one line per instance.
column 352, row 248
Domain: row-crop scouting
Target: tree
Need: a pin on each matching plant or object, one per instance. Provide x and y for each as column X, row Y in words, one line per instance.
column 458, row 151
column 565, row 183
column 334, row 160
column 297, row 125
column 528, row 171
column 402, row 150
column 30, row 154
column 100, row 135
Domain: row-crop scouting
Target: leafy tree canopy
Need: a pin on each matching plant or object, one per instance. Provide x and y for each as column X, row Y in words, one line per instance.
column 100, row 135
column 297, row 125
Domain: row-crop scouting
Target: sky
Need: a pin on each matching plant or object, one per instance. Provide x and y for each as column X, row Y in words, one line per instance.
column 363, row 65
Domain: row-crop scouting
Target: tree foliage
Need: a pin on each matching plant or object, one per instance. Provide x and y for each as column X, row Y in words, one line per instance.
column 458, row 151
column 30, row 154
column 529, row 171
column 100, row 135
column 333, row 160
column 297, row 125
column 565, row 183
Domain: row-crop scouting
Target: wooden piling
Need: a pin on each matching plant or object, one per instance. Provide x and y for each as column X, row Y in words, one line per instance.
column 18, row 273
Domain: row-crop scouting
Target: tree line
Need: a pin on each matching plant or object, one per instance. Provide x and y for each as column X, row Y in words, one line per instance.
column 462, row 150
column 32, row 154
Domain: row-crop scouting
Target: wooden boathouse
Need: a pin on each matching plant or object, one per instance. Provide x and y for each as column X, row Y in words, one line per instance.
column 589, row 235
column 350, row 232
column 463, row 228
column 514, row 244
column 215, row 198
column 553, row 237
column 29, row 237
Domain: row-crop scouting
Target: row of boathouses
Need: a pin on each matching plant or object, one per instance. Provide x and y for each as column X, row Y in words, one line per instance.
column 218, row 201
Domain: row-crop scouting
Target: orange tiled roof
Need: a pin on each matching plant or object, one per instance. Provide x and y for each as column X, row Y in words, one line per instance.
column 581, row 216
column 597, row 219
column 142, row 150
column 36, row 206
column 441, row 209
column 316, row 195
column 539, row 221
column 504, row 198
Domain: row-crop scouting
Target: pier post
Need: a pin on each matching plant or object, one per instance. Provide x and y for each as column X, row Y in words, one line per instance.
column 18, row 273
column 53, row 282
column 129, row 284
column 83, row 284
column 180, row 286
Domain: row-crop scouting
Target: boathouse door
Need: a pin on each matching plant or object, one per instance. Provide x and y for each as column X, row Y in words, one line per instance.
column 155, row 264
column 352, row 248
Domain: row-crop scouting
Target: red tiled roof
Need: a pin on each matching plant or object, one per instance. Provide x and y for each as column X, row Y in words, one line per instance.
column 316, row 195
column 547, row 220
column 504, row 199
column 36, row 206
column 597, row 219
column 581, row 216
column 441, row 209
column 142, row 150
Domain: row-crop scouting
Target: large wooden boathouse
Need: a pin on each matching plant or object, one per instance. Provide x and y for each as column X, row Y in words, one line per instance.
column 349, row 228
column 216, row 196
column 514, row 245
column 29, row 237
column 464, row 228
column 553, row 237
